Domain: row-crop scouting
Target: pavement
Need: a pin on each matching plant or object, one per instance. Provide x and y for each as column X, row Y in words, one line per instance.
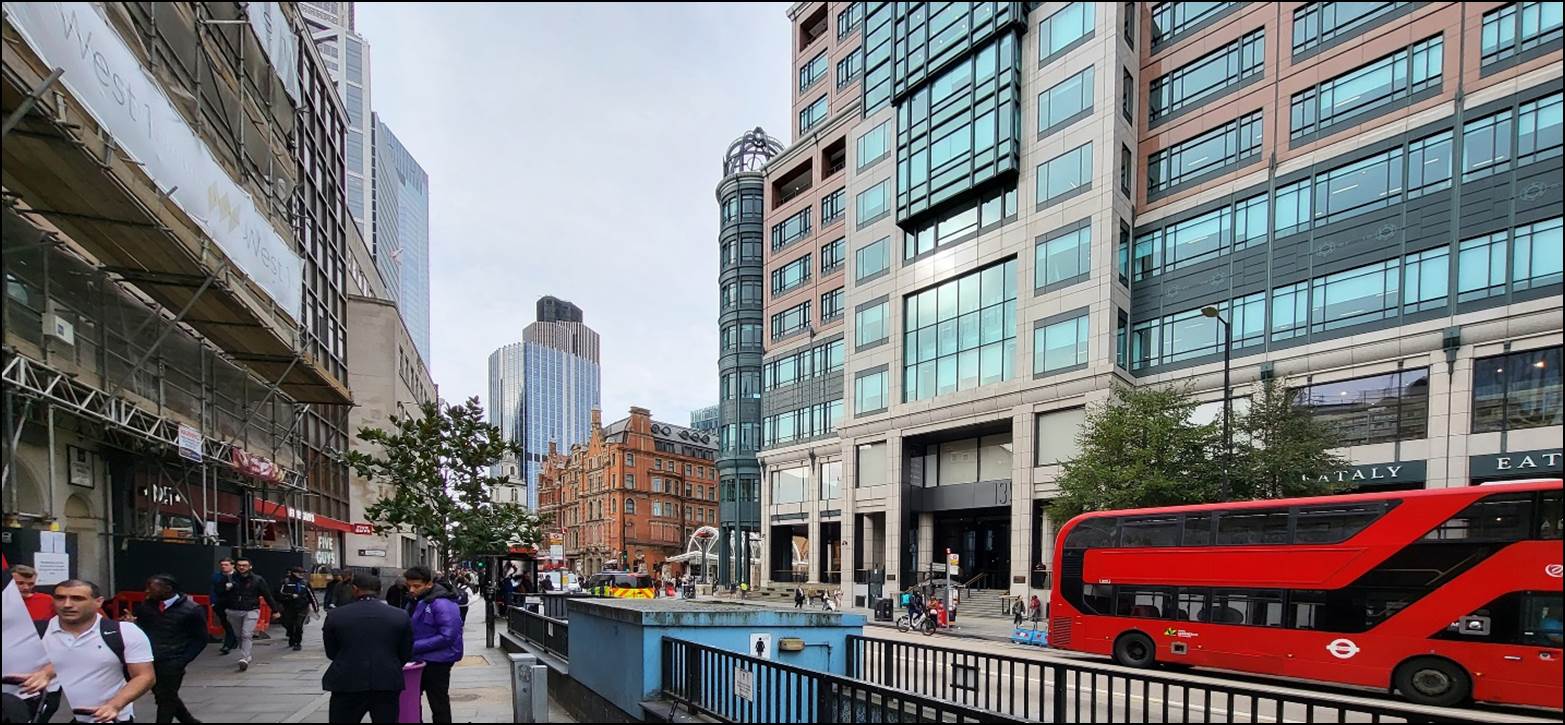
column 283, row 686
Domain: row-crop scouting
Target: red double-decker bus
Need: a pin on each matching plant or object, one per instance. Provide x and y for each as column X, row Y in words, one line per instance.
column 1442, row 596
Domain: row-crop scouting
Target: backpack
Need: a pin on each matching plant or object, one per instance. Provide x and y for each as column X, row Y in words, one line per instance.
column 109, row 630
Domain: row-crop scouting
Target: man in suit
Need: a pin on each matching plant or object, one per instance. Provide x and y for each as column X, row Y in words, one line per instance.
column 177, row 628
column 368, row 642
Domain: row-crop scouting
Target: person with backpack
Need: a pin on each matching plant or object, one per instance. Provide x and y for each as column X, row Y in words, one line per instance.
column 298, row 601
column 103, row 665
column 458, row 591
column 176, row 627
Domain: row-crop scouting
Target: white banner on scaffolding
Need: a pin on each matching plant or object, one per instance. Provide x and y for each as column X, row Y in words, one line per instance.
column 104, row 75
column 279, row 42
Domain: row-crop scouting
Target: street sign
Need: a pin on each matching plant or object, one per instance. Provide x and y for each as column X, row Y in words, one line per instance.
column 744, row 684
column 189, row 443
column 372, row 552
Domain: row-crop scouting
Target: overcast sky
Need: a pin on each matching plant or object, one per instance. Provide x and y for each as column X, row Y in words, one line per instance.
column 575, row 150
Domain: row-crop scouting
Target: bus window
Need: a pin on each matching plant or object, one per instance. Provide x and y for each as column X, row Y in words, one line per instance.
column 1551, row 513
column 1500, row 517
column 1190, row 604
column 1150, row 603
column 1333, row 523
column 1149, row 531
column 1092, row 533
column 1198, row 530
column 1097, row 599
column 1262, row 608
column 1252, row 527
column 1541, row 623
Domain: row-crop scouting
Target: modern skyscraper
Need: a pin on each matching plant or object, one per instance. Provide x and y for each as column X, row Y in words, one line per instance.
column 1365, row 192
column 347, row 57
column 402, row 232
column 704, row 419
column 542, row 390
column 740, row 197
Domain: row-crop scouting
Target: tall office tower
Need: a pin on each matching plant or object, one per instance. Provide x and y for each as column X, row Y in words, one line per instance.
column 347, row 57
column 1364, row 193
column 402, row 229
column 740, row 197
column 704, row 419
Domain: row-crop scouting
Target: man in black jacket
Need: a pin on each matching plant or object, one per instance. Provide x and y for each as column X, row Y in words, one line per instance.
column 367, row 642
column 244, row 607
column 177, row 628
column 298, row 599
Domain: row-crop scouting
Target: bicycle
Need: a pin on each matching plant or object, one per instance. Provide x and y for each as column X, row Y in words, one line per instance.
column 922, row 621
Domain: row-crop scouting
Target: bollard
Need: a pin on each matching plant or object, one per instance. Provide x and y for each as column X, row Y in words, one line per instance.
column 529, row 689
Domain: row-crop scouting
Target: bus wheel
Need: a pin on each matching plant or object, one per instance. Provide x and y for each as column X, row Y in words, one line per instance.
column 1433, row 681
column 1134, row 649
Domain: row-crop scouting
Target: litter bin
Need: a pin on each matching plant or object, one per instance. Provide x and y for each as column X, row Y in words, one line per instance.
column 883, row 610
column 410, row 707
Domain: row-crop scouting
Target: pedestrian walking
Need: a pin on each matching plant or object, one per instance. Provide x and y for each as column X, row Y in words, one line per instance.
column 339, row 591
column 368, row 642
column 397, row 594
column 1036, row 612
column 298, row 601
column 437, row 638
column 92, row 654
column 245, row 594
column 23, row 652
column 40, row 606
column 1016, row 612
column 176, row 626
column 222, row 585
column 798, row 597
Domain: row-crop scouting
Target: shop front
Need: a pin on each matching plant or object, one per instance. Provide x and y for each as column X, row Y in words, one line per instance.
column 1517, row 465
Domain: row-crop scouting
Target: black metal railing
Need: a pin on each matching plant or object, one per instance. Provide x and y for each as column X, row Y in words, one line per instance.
column 790, row 576
column 555, row 603
column 733, row 687
column 1084, row 692
column 548, row 633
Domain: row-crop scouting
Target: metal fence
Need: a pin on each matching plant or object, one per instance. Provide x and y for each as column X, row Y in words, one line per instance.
column 733, row 687
column 548, row 633
column 1082, row 692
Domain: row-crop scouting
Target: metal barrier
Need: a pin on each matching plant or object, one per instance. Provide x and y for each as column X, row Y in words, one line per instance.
column 550, row 634
column 1083, row 692
column 733, row 687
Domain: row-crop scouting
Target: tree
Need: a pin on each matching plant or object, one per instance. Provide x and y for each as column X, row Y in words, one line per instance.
column 437, row 465
column 1280, row 449
column 1138, row 449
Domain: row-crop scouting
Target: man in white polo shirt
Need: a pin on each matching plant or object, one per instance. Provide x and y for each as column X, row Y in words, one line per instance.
column 81, row 652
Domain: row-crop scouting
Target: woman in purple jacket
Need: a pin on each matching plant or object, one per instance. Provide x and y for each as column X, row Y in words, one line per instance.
column 437, row 637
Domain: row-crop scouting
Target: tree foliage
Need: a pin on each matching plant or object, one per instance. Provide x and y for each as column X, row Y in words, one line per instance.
column 436, row 464
column 1141, row 449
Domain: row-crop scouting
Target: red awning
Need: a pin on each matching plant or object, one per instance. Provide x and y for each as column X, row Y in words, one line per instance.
column 269, row 508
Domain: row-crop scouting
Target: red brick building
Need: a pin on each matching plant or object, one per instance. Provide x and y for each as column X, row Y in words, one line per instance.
column 632, row 495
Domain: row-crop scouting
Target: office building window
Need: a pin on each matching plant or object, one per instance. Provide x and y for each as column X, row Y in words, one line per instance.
column 1121, row 341
column 1127, row 165
column 833, row 206
column 871, row 203
column 792, row 229
column 1122, row 254
column 1519, row 27
column 1068, row 25
column 1069, row 99
column 968, row 460
column 872, row 259
column 869, row 467
column 812, row 71
column 794, row 319
column 1354, row 297
column 1064, row 174
column 1538, row 255
column 1058, row 436
column 1365, row 185
column 1529, row 133
column 831, row 305
column 1063, row 258
column 1518, row 390
column 788, row 484
column 813, row 114
column 848, row 68
column 1382, row 82
column 794, row 367
column 1129, row 19
column 1190, row 334
column 802, row 424
column 791, row 275
column 832, row 254
column 1209, row 152
column 1426, row 280
column 1127, row 96
column 873, row 145
column 961, row 334
column 960, row 223
column 1317, row 24
column 1199, row 239
column 1208, row 76
column 831, row 476
column 849, row 19
column 870, row 393
column 1172, row 19
column 1060, row 345
column 877, row 57
column 870, row 325
column 1372, row 409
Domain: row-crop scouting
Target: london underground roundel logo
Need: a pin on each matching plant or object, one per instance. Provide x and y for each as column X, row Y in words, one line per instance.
column 1554, row 570
column 1342, row 648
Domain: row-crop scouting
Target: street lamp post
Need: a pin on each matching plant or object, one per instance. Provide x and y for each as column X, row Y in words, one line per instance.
column 1228, row 346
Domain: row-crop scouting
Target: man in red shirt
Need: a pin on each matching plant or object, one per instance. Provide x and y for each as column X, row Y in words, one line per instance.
column 40, row 606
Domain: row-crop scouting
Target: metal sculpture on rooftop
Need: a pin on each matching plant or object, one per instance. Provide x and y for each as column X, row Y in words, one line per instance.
column 750, row 152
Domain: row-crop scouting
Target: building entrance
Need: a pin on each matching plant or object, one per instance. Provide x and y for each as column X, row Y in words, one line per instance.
column 983, row 539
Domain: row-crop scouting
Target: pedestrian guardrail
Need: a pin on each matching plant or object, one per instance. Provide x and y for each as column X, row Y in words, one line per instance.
column 1084, row 692
column 547, row 633
column 733, row 687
